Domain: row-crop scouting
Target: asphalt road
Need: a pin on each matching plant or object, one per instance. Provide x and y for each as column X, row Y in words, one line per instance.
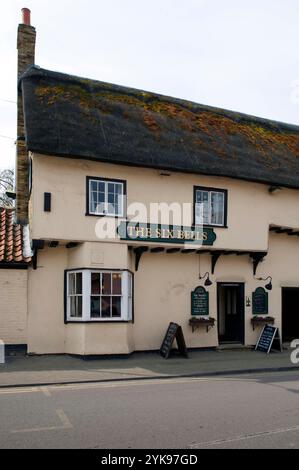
column 260, row 411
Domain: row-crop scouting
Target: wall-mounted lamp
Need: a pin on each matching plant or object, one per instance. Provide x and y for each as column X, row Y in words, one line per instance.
column 207, row 282
column 269, row 285
column 247, row 301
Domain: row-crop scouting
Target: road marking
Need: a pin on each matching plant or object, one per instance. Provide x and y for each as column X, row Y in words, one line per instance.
column 17, row 390
column 46, row 391
column 244, row 437
column 81, row 386
column 66, row 424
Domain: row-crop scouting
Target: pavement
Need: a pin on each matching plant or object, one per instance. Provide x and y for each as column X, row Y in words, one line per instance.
column 25, row 370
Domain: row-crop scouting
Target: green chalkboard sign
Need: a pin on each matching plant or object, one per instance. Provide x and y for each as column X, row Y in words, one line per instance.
column 260, row 302
column 200, row 301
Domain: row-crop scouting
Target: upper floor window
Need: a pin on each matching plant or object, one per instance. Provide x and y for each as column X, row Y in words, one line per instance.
column 106, row 197
column 210, row 206
column 94, row 295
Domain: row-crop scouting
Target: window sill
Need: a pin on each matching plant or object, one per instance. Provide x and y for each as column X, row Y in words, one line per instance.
column 85, row 322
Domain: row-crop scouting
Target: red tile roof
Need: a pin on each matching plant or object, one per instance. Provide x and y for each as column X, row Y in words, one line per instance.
column 11, row 239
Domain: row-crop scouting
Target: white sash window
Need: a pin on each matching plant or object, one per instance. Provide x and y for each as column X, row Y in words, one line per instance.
column 106, row 197
column 210, row 207
column 99, row 295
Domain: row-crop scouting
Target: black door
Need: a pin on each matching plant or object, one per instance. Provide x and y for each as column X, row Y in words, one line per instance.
column 290, row 313
column 231, row 312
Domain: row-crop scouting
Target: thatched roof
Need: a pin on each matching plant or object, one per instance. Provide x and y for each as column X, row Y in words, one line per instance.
column 81, row 118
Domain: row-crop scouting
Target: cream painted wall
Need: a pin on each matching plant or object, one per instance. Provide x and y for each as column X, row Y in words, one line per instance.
column 13, row 306
column 163, row 286
column 251, row 209
column 46, row 329
column 164, row 282
column 97, row 255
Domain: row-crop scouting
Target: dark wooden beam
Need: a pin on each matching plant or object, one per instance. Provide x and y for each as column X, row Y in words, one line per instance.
column 284, row 230
column 188, row 250
column 71, row 245
column 173, row 250
column 53, row 243
column 215, row 255
column 38, row 244
column 157, row 249
column 138, row 253
column 257, row 258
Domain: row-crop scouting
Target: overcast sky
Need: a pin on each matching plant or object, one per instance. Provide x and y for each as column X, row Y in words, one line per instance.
column 235, row 54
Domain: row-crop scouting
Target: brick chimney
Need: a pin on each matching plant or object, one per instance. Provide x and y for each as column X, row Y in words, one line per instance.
column 26, row 57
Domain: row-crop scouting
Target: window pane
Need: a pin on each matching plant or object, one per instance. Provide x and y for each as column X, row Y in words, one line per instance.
column 106, row 306
column 95, row 283
column 111, row 198
column 116, row 307
column 217, row 208
column 101, row 198
column 101, row 186
column 111, row 188
column 79, row 283
column 119, row 188
column 76, row 306
column 116, row 283
column 130, row 293
column 72, row 283
column 119, row 204
column 79, row 306
column 106, row 283
column 93, row 202
column 119, row 197
column 72, row 306
column 95, row 305
column 202, row 207
column 93, row 185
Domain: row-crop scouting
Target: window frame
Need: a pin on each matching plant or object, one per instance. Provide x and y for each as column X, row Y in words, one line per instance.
column 75, row 295
column 127, row 316
column 211, row 190
column 106, row 181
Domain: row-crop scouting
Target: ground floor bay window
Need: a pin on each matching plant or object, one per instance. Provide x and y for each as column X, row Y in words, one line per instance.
column 98, row 295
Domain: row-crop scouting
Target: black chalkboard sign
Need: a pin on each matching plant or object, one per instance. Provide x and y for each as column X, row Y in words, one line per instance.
column 200, row 301
column 173, row 332
column 268, row 337
column 260, row 302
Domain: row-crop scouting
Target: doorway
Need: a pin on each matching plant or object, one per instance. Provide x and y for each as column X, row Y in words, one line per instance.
column 230, row 298
column 290, row 313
